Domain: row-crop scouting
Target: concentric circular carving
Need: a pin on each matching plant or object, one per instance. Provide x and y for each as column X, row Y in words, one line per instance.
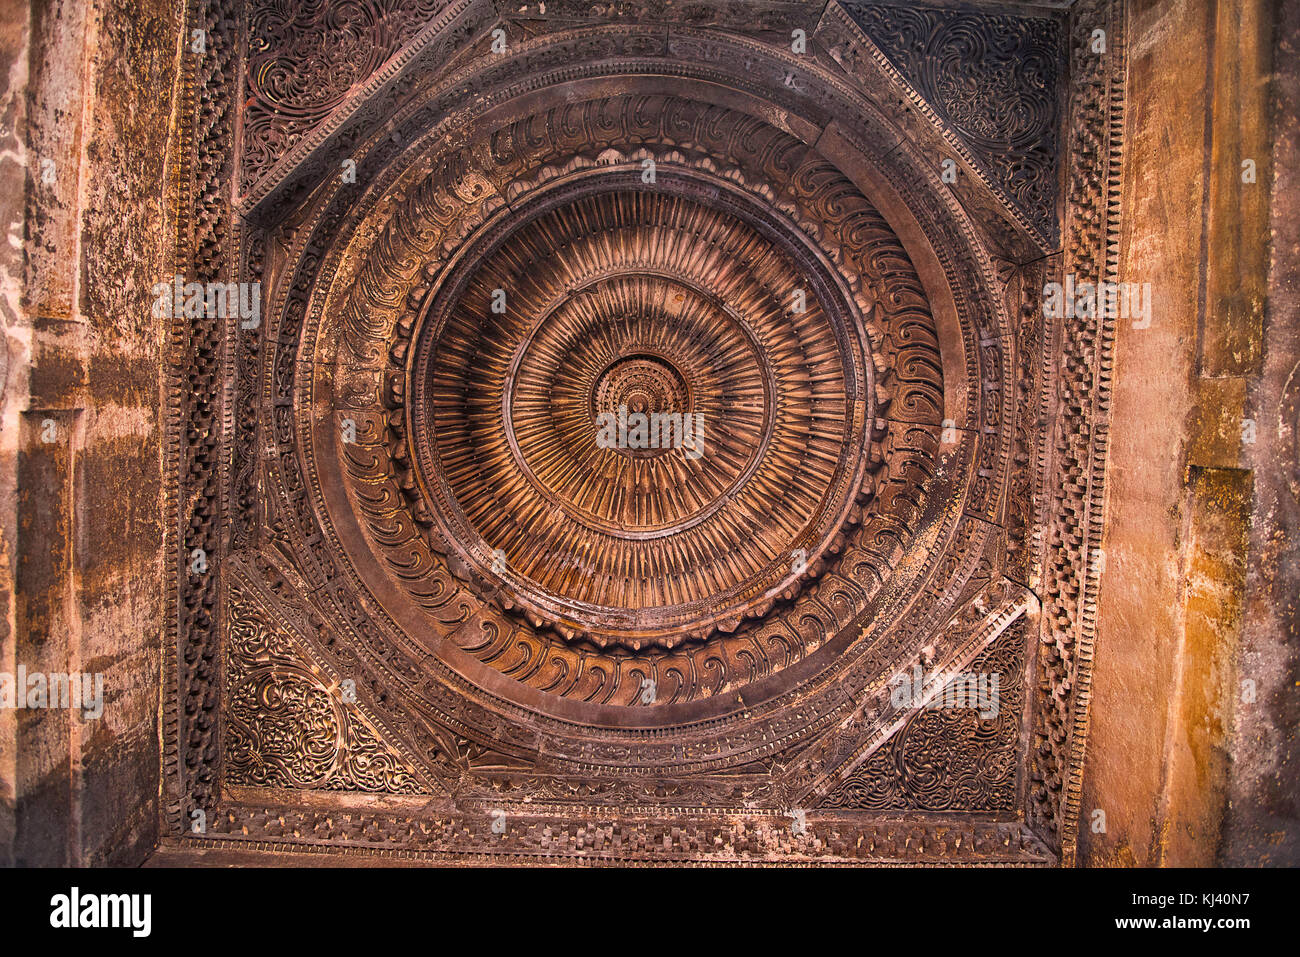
column 502, row 310
column 635, row 414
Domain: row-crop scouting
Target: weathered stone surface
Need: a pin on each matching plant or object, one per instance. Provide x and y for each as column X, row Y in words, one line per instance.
column 1264, row 789
column 89, row 103
column 1193, row 688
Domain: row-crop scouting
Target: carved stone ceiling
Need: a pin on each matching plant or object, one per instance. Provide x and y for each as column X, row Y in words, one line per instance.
column 437, row 596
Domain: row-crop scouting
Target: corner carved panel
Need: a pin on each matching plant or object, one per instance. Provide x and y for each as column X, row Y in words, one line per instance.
column 288, row 725
column 951, row 759
column 995, row 81
column 305, row 58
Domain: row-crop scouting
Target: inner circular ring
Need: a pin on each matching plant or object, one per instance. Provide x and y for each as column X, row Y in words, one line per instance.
column 643, row 532
column 641, row 388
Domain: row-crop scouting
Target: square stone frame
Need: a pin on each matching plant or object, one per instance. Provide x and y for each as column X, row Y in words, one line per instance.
column 1067, row 464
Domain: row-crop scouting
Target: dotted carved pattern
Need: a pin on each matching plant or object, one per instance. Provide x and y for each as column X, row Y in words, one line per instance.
column 1080, row 355
column 194, row 416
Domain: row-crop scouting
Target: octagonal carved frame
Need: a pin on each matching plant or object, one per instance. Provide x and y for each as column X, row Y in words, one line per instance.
column 301, row 716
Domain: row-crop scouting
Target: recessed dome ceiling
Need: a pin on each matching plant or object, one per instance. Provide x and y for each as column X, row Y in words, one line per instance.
column 709, row 267
column 640, row 389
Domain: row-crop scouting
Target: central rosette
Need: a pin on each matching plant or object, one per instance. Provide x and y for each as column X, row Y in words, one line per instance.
column 642, row 407
column 639, row 415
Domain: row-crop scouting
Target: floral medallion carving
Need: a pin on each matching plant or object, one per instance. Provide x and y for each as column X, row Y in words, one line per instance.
column 286, row 727
column 625, row 303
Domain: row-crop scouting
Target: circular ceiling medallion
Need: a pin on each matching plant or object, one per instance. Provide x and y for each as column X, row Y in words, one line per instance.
column 640, row 410
column 631, row 449
column 641, row 407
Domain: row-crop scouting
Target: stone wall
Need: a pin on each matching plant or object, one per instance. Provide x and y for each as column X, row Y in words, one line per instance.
column 85, row 111
column 1260, row 826
column 1193, row 693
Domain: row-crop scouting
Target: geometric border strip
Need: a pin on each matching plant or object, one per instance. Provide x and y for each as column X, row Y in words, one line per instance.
column 725, row 838
column 1077, row 460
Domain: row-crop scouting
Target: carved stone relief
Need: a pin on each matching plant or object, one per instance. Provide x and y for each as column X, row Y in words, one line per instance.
column 992, row 79
column 440, row 570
